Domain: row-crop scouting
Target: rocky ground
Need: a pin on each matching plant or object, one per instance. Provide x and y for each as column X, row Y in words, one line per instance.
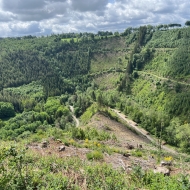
column 127, row 141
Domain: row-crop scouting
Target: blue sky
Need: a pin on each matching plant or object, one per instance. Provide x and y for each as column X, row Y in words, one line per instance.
column 42, row 17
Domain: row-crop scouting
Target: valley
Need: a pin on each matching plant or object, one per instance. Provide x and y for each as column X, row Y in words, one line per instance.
column 96, row 111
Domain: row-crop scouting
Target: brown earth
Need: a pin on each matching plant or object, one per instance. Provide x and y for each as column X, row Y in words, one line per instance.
column 123, row 134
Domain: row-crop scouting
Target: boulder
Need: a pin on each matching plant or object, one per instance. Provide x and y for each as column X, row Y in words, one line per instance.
column 129, row 146
column 44, row 144
column 126, row 154
column 53, row 167
column 162, row 170
column 61, row 148
column 165, row 163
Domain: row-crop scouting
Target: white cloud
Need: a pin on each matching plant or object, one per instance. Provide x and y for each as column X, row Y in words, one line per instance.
column 91, row 5
column 6, row 16
column 22, row 17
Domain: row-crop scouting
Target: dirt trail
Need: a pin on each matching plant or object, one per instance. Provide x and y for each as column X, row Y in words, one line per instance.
column 74, row 117
column 143, row 132
column 163, row 78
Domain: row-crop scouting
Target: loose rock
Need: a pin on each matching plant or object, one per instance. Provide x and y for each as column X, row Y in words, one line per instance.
column 59, row 140
column 126, row 154
column 129, row 146
column 44, row 144
column 162, row 170
column 61, row 148
column 165, row 163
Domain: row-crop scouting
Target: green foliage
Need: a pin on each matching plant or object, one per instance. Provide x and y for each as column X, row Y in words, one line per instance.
column 111, row 114
column 183, row 137
column 24, row 97
column 22, row 170
column 178, row 65
column 179, row 104
column 18, row 172
column 187, row 23
column 81, row 102
column 104, row 177
column 91, row 134
column 94, row 155
column 51, row 106
column 137, row 153
column 31, row 90
column 166, row 39
column 22, row 125
column 62, row 111
column 153, row 181
column 158, row 64
column 78, row 133
column 153, row 91
column 6, row 110
column 154, row 87
column 171, row 131
column 142, row 33
column 89, row 113
column 141, row 58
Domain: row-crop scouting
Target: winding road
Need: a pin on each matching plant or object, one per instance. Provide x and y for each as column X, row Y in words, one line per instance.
column 141, row 131
column 133, row 125
column 163, row 78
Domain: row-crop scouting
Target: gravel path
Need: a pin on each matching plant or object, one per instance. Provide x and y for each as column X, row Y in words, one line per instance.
column 143, row 132
column 74, row 117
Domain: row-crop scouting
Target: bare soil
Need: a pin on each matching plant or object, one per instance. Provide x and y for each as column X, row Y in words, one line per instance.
column 123, row 134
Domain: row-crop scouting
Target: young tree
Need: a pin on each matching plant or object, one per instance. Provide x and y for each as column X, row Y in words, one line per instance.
column 183, row 136
column 187, row 23
column 116, row 33
column 6, row 110
column 100, row 100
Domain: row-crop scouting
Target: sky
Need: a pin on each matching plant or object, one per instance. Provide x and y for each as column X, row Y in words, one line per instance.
column 45, row 17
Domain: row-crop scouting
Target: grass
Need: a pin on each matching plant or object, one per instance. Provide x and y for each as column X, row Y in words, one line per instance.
column 32, row 90
column 69, row 39
column 158, row 65
column 137, row 153
column 108, row 81
column 102, row 61
column 89, row 38
column 32, row 171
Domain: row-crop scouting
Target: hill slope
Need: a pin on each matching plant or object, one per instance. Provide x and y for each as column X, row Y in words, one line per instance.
column 143, row 72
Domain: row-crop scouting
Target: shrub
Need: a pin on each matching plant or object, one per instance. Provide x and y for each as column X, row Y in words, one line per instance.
column 137, row 153
column 6, row 110
column 94, row 155
column 78, row 133
column 104, row 177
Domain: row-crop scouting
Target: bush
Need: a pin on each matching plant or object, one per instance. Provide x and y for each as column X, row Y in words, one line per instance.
column 104, row 177
column 137, row 153
column 94, row 155
column 6, row 110
column 78, row 134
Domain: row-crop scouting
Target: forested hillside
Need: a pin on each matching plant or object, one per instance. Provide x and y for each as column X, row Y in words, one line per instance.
column 143, row 72
column 152, row 65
